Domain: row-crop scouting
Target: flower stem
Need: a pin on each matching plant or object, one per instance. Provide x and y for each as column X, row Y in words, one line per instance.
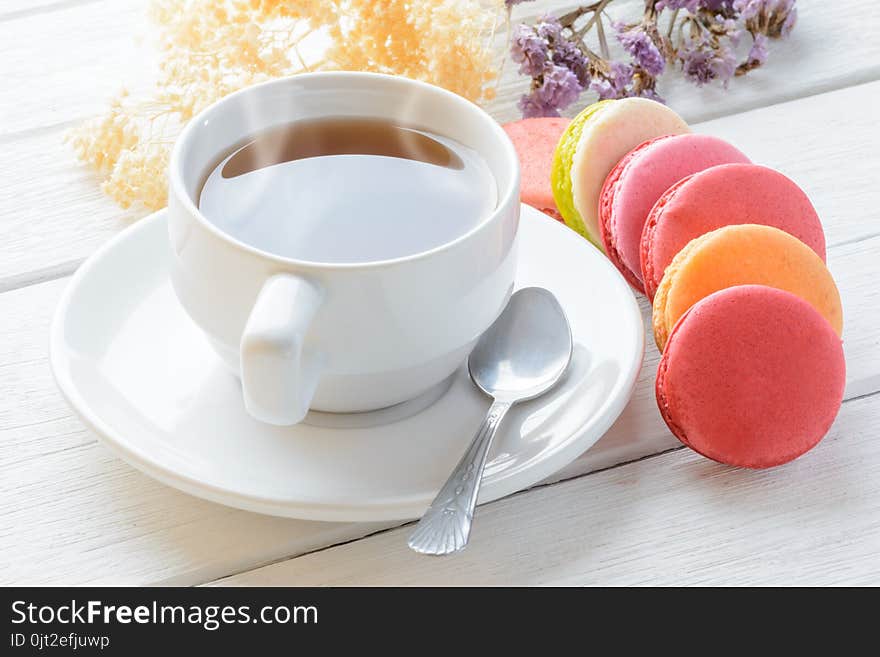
column 567, row 20
column 672, row 20
column 603, row 42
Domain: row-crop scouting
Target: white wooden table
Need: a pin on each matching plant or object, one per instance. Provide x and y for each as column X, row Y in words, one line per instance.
column 638, row 508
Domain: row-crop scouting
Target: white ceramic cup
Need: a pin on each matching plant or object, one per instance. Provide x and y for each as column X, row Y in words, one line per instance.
column 329, row 336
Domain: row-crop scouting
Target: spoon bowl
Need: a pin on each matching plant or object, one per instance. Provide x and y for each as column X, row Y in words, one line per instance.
column 526, row 351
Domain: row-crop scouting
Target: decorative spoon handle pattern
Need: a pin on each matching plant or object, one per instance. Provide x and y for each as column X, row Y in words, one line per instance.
column 446, row 525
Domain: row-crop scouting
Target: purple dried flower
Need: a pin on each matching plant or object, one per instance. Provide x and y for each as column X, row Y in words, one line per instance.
column 724, row 64
column 777, row 10
column 758, row 52
column 690, row 5
column 529, row 50
column 641, row 47
column 748, row 9
column 558, row 89
column 704, row 38
column 789, row 23
column 696, row 65
column 567, row 54
column 549, row 29
column 613, row 85
column 731, row 29
column 716, row 5
column 702, row 63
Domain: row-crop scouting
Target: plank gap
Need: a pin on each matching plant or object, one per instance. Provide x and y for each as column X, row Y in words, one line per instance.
column 854, row 240
column 38, row 276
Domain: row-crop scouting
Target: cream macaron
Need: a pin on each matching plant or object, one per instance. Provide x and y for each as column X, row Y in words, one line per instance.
column 591, row 147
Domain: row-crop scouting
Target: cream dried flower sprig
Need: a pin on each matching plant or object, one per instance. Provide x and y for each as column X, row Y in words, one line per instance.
column 210, row 48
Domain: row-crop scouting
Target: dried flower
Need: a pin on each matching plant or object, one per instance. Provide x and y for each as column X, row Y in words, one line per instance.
column 689, row 5
column 774, row 18
column 701, row 36
column 209, row 48
column 550, row 29
column 566, row 54
column 559, row 69
column 559, row 88
column 758, row 52
column 614, row 82
column 529, row 50
column 788, row 23
column 716, row 6
column 704, row 61
column 641, row 48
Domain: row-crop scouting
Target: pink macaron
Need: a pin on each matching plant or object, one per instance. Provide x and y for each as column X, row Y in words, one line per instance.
column 721, row 196
column 639, row 179
column 535, row 142
column 751, row 376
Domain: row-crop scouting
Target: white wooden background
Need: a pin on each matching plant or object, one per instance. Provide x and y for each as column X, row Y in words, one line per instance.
column 636, row 509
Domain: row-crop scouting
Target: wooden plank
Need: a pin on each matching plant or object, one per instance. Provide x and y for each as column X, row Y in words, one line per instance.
column 54, row 213
column 674, row 519
column 130, row 529
column 65, row 64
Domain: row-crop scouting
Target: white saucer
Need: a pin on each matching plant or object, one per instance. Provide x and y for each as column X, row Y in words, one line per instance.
column 143, row 377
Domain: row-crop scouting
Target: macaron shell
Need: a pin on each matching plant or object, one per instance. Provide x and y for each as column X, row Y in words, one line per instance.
column 535, row 143
column 721, row 196
column 605, row 140
column 740, row 255
column 752, row 376
column 560, row 174
column 606, row 231
column 639, row 179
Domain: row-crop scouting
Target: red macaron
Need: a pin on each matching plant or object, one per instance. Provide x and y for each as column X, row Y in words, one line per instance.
column 751, row 376
column 721, row 196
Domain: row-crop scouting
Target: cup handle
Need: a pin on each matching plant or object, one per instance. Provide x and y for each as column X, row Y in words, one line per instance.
column 279, row 373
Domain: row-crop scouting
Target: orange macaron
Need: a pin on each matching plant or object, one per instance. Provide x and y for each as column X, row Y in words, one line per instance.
column 743, row 254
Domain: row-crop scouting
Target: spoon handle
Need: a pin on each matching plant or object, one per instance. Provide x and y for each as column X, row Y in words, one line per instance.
column 446, row 525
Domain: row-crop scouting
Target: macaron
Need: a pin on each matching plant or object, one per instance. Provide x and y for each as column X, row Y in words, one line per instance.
column 639, row 179
column 739, row 255
column 752, row 376
column 535, row 142
column 592, row 144
column 721, row 196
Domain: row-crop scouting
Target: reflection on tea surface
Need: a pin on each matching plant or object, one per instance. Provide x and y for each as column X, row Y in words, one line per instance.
column 348, row 189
